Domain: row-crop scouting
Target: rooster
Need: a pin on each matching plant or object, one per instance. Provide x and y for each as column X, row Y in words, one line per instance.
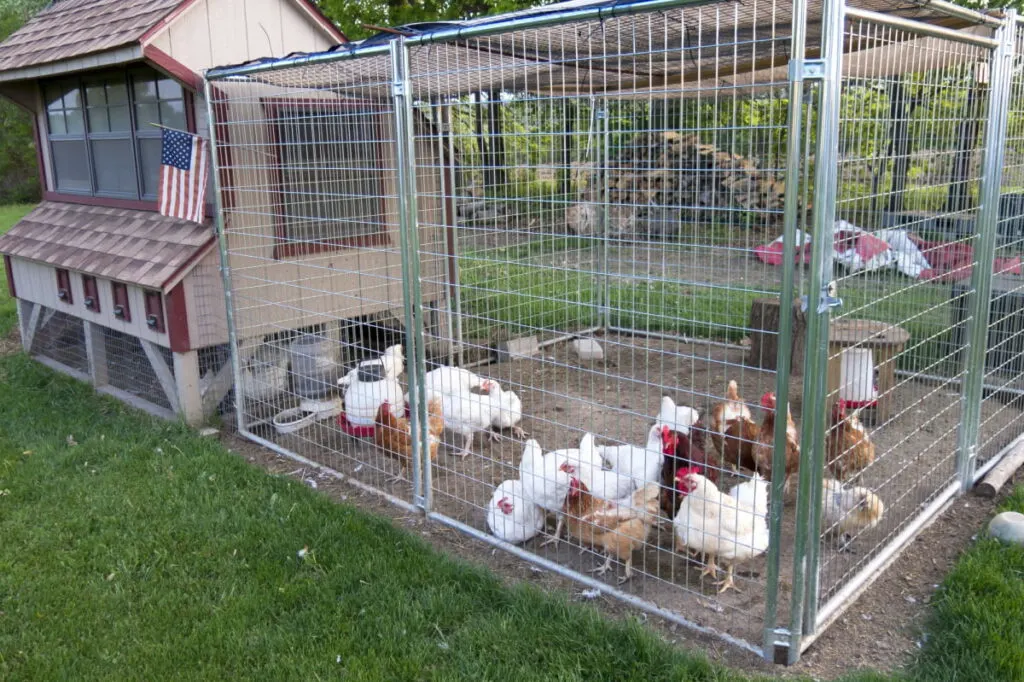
column 848, row 447
column 846, row 511
column 617, row 527
column 511, row 517
column 393, row 434
column 764, row 449
column 718, row 525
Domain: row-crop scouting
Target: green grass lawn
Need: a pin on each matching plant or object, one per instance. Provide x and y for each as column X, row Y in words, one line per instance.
column 8, row 313
column 145, row 552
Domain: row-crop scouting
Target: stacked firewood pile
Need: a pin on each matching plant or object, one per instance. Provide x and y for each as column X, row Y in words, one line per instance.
column 659, row 182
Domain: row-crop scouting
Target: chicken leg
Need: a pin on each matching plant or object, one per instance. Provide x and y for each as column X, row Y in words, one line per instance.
column 711, row 568
column 518, row 432
column 466, row 445
column 727, row 583
column 558, row 532
column 603, row 568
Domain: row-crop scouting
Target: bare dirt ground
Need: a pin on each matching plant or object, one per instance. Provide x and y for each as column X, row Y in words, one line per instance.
column 616, row 399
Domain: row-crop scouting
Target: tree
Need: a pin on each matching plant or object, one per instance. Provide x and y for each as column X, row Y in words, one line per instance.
column 351, row 15
column 19, row 178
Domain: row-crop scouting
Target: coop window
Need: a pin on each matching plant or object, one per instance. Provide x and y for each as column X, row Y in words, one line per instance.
column 91, row 292
column 331, row 176
column 122, row 310
column 155, row 311
column 99, row 132
column 64, row 287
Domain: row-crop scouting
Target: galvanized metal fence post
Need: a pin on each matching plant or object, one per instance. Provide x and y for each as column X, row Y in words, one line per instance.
column 776, row 639
column 820, row 295
column 979, row 298
column 604, row 319
column 225, row 265
column 405, row 158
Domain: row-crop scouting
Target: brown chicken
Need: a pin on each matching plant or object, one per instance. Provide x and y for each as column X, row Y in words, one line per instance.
column 683, row 450
column 617, row 527
column 848, row 447
column 764, row 448
column 393, row 434
column 724, row 413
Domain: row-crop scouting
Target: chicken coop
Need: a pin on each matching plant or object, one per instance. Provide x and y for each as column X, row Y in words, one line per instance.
column 618, row 241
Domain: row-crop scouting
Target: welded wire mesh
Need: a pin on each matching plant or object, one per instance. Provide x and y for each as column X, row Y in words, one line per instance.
column 61, row 338
column 590, row 208
column 907, row 232
column 618, row 181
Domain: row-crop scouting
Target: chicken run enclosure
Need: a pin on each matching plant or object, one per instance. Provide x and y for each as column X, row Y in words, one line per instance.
column 653, row 177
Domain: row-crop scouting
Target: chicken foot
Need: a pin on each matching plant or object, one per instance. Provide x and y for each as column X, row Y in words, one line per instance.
column 711, row 568
column 726, row 584
column 558, row 533
column 466, row 445
column 603, row 568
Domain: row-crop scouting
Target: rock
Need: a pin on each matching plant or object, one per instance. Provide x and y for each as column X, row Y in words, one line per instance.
column 521, row 347
column 588, row 349
column 1008, row 527
column 207, row 432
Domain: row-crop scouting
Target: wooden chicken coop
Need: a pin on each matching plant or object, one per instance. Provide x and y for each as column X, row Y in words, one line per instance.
column 108, row 290
column 579, row 204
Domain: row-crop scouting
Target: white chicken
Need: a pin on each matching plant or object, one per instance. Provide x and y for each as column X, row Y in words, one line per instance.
column 546, row 479
column 753, row 494
column 846, row 511
column 507, row 411
column 717, row 525
column 641, row 464
column 467, row 413
column 511, row 516
column 677, row 417
column 452, row 381
column 602, row 483
column 372, row 383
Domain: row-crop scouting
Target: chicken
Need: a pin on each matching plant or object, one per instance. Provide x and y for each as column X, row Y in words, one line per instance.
column 510, row 516
column 606, row 484
column 685, row 451
column 452, row 381
column 764, row 449
column 507, row 411
column 393, row 433
column 737, row 443
column 641, row 464
column 545, row 479
column 616, row 527
column 678, row 418
column 753, row 494
column 467, row 413
column 846, row 511
column 372, row 383
column 724, row 413
column 848, row 447
column 717, row 525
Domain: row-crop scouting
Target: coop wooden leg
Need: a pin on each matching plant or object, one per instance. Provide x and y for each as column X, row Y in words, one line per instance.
column 163, row 373
column 30, row 313
column 186, row 379
column 96, row 352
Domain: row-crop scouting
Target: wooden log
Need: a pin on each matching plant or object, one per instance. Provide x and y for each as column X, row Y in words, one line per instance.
column 764, row 334
column 1002, row 472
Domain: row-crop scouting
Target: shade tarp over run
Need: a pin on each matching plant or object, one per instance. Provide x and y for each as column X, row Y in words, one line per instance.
column 724, row 43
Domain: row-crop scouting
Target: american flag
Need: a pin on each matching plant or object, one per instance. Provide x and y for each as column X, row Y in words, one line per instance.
column 183, row 168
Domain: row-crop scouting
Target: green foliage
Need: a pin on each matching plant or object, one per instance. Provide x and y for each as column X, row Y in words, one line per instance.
column 351, row 15
column 8, row 313
column 19, row 177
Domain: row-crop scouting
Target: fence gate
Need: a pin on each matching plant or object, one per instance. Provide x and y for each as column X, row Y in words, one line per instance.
column 576, row 206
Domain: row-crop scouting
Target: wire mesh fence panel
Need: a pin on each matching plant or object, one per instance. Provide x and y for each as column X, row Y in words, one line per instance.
column 129, row 368
column 308, row 177
column 604, row 257
column 913, row 117
column 61, row 338
column 1003, row 390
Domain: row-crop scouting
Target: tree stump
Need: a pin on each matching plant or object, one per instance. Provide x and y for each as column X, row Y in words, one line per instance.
column 764, row 334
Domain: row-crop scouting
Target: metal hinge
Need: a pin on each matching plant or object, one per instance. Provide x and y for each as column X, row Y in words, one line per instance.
column 829, row 298
column 807, row 69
